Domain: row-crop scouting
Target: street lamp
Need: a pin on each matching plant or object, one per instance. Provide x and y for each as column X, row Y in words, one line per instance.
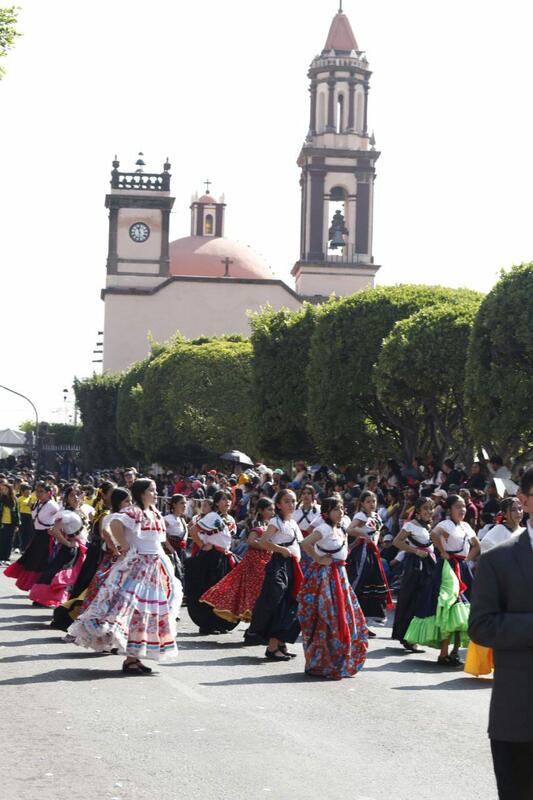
column 7, row 389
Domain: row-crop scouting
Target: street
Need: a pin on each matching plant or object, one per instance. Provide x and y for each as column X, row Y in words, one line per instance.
column 223, row 724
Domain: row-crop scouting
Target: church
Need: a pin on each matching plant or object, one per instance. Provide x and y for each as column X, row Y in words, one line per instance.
column 155, row 287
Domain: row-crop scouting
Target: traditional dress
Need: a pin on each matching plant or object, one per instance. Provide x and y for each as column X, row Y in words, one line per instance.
column 34, row 560
column 442, row 608
column 233, row 598
column 177, row 535
column 208, row 567
column 416, row 577
column 365, row 570
column 306, row 520
column 275, row 613
column 480, row 660
column 334, row 632
column 52, row 587
column 136, row 608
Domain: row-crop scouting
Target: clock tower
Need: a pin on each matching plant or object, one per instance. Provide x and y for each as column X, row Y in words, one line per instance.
column 139, row 210
column 337, row 163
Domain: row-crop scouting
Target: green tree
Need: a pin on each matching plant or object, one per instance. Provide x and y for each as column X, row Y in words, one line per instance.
column 499, row 386
column 197, row 400
column 345, row 416
column 420, row 377
column 8, row 32
column 280, row 341
column 96, row 398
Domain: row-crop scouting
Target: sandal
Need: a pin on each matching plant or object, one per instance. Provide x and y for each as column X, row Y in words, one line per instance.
column 135, row 668
column 276, row 655
column 283, row 649
column 449, row 661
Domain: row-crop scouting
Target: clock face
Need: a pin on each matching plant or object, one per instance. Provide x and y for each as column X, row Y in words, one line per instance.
column 139, row 232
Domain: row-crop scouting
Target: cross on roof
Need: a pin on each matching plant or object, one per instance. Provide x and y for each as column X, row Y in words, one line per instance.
column 226, row 261
column 207, row 184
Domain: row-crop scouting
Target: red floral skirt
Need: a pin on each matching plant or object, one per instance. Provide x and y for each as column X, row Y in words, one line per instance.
column 233, row 598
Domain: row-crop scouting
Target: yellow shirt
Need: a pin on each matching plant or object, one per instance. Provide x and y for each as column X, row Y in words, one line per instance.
column 25, row 504
column 7, row 516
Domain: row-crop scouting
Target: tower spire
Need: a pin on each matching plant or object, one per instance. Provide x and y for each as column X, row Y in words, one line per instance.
column 340, row 7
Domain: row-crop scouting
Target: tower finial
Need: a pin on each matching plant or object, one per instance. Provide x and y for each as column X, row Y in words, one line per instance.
column 207, row 184
column 340, row 7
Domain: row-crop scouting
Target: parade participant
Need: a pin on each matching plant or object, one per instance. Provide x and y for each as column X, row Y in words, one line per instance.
column 333, row 627
column 135, row 609
column 25, row 501
column 274, row 618
column 212, row 535
column 364, row 567
column 443, row 608
column 307, row 509
column 479, row 659
column 502, row 618
column 70, row 533
column 177, row 528
column 9, row 521
column 32, row 563
column 415, row 541
column 233, row 598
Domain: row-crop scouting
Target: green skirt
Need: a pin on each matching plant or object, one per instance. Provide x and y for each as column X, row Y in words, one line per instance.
column 450, row 617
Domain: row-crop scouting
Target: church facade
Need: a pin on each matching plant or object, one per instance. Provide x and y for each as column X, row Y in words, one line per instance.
column 205, row 284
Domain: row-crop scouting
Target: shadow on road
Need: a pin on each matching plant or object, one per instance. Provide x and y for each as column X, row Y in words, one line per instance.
column 455, row 683
column 46, row 657
column 33, row 640
column 72, row 675
column 11, row 606
column 25, row 618
column 213, row 645
column 27, row 626
column 232, row 661
column 284, row 677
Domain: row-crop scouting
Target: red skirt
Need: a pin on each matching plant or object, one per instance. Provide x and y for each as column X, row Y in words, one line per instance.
column 233, row 598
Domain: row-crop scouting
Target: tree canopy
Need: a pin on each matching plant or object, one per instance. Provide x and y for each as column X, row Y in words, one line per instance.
column 8, row 32
column 499, row 385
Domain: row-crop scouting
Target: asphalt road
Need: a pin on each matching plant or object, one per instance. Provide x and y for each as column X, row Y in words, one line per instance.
column 223, row 724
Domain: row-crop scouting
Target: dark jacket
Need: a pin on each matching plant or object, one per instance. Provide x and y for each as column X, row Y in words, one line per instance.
column 501, row 617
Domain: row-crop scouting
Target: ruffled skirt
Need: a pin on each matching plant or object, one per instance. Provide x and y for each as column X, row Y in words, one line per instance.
column 233, row 598
column 134, row 611
column 442, row 610
column 329, row 651
column 52, row 587
column 203, row 571
column 416, row 580
column 367, row 578
column 33, row 562
column 275, row 613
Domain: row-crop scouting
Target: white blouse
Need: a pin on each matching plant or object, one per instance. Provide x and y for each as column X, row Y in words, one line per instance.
column 459, row 537
column 44, row 515
column 418, row 535
column 145, row 530
column 212, row 529
column 372, row 524
column 286, row 534
column 332, row 542
column 305, row 519
column 176, row 527
column 497, row 535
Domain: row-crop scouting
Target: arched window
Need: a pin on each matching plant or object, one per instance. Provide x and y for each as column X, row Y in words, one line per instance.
column 340, row 113
column 208, row 225
column 337, row 204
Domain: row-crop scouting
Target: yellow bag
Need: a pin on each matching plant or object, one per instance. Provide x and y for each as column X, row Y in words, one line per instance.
column 479, row 660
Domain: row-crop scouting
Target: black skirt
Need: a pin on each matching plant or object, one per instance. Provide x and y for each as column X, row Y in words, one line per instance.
column 88, row 571
column 275, row 611
column 416, row 581
column 37, row 554
column 366, row 578
column 201, row 573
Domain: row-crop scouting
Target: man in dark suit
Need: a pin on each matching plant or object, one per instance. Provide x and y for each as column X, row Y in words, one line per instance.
column 501, row 617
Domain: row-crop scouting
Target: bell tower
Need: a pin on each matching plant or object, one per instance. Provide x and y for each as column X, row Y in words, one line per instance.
column 337, row 164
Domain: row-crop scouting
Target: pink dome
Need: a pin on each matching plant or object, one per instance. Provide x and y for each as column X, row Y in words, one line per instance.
column 207, row 198
column 202, row 256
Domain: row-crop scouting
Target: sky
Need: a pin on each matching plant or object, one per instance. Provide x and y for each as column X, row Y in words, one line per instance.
column 221, row 88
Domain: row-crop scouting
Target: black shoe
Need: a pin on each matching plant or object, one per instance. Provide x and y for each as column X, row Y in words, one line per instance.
column 276, row 655
column 411, row 648
column 284, row 650
column 371, row 634
column 135, row 668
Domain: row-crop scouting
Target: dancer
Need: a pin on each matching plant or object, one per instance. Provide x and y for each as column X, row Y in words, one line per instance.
column 334, row 630
column 9, row 521
column 32, row 563
column 415, row 541
column 443, row 608
column 234, row 597
column 177, row 531
column 274, row 617
column 307, row 510
column 364, row 567
column 212, row 535
column 68, row 552
column 135, row 609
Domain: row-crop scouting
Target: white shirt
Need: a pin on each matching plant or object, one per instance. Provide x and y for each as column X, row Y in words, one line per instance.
column 145, row 530
column 305, row 519
column 418, row 535
column 459, row 536
column 212, row 529
column 44, row 515
column 372, row 524
column 331, row 539
column 497, row 535
column 176, row 527
column 286, row 533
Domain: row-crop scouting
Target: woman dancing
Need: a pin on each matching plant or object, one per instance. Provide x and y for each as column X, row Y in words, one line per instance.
column 135, row 609
column 333, row 626
column 274, row 617
column 34, row 560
